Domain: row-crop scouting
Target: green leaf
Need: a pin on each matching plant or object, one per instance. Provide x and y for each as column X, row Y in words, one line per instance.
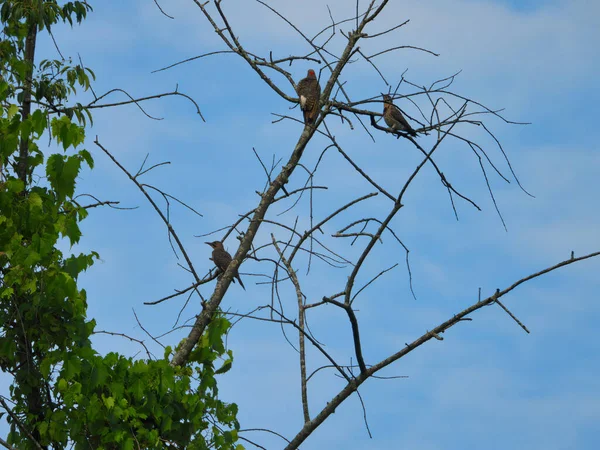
column 43, row 428
column 128, row 444
column 72, row 230
column 72, row 367
column 45, row 367
column 15, row 185
column 35, row 201
column 61, row 172
column 12, row 110
column 87, row 157
column 225, row 367
column 26, row 129
column 109, row 402
column 62, row 385
column 3, row 89
column 38, row 120
column 32, row 259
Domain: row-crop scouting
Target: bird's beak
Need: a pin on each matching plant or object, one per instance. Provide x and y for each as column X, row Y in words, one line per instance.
column 209, row 243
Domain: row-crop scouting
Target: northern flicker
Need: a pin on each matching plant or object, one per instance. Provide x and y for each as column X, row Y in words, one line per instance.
column 309, row 91
column 222, row 259
column 394, row 118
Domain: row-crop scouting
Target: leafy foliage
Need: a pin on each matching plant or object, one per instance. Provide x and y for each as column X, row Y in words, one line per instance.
column 63, row 392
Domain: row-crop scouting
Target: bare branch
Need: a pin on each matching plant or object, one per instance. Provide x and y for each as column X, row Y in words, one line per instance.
column 354, row 383
column 512, row 316
column 6, row 445
column 301, row 318
column 132, row 339
column 401, row 47
column 355, row 331
column 156, row 208
column 20, row 424
column 135, row 101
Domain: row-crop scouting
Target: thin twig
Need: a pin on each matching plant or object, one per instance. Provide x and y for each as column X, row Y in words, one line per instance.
column 513, row 316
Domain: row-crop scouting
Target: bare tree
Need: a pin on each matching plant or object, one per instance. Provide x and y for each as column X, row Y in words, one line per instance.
column 275, row 246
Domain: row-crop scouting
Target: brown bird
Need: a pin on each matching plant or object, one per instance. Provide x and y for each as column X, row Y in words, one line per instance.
column 394, row 118
column 222, row 259
column 309, row 91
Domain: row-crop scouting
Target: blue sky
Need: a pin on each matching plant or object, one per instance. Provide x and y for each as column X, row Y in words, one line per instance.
column 488, row 384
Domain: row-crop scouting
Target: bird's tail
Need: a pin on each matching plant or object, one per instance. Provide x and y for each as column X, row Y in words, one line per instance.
column 240, row 280
column 307, row 117
column 310, row 115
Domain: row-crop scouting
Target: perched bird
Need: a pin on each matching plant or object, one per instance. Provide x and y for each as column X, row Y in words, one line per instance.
column 309, row 91
column 394, row 118
column 222, row 259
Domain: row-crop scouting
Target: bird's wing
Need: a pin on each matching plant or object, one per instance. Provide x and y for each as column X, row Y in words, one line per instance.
column 222, row 260
column 313, row 94
column 302, row 89
column 397, row 115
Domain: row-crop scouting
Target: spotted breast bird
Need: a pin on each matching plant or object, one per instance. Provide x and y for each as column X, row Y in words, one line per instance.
column 309, row 91
column 394, row 118
column 222, row 258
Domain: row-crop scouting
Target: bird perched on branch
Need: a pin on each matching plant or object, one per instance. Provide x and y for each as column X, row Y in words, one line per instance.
column 222, row 258
column 309, row 91
column 394, row 118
